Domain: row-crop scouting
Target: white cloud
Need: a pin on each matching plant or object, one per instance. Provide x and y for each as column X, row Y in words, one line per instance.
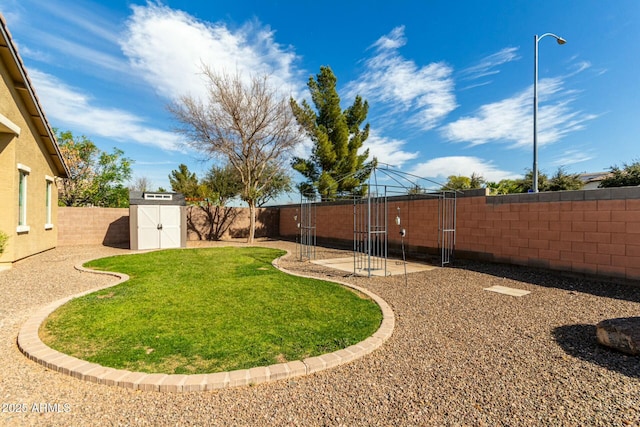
column 580, row 67
column 572, row 156
column 71, row 16
column 153, row 163
column 508, row 119
column 387, row 150
column 13, row 12
column 70, row 35
column 35, row 54
column 442, row 167
column 66, row 105
column 474, row 85
column 487, row 65
column 96, row 57
column 304, row 149
column 422, row 96
column 511, row 121
column 168, row 48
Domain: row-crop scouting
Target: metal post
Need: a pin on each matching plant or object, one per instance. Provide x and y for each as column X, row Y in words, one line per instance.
column 536, row 40
column 369, row 230
column 535, row 114
column 386, row 231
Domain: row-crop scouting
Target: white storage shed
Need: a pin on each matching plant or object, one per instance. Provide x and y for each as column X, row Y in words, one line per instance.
column 157, row 220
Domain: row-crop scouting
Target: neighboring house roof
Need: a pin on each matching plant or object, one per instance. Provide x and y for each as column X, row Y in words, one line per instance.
column 22, row 83
column 593, row 176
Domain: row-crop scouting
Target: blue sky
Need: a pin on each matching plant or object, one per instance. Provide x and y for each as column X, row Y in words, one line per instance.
column 449, row 84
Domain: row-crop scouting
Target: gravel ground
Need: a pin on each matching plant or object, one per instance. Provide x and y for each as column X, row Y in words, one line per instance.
column 458, row 356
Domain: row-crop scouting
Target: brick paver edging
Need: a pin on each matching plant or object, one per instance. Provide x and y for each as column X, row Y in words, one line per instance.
column 30, row 344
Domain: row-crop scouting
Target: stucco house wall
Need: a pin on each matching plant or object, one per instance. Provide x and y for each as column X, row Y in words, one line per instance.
column 27, row 147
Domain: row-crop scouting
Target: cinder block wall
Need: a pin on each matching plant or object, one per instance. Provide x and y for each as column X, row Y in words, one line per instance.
column 592, row 231
column 110, row 226
column 93, row 226
column 596, row 232
column 230, row 222
column 335, row 222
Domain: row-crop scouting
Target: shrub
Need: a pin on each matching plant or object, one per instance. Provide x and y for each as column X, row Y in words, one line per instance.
column 4, row 237
column 628, row 175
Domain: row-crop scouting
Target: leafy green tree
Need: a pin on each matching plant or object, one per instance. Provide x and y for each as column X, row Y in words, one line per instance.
column 113, row 171
column 628, row 176
column 96, row 178
column 457, row 182
column 184, row 181
column 79, row 154
column 505, row 186
column 212, row 193
column 335, row 168
column 476, row 181
column 460, row 182
column 280, row 183
column 416, row 189
column 526, row 183
column 561, row 180
column 222, row 184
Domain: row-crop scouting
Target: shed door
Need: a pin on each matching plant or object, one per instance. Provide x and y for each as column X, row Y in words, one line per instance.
column 148, row 220
column 170, row 233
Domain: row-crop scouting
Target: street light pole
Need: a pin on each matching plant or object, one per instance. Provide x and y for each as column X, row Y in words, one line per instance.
column 560, row 41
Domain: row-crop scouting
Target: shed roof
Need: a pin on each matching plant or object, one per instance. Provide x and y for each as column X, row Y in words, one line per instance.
column 18, row 73
column 156, row 198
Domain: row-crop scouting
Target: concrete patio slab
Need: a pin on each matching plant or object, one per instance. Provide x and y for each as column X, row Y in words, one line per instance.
column 376, row 267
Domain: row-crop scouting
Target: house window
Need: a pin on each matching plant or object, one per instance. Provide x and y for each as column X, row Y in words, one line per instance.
column 49, row 185
column 23, row 174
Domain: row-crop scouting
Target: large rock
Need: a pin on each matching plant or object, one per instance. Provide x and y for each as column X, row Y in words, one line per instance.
column 623, row 334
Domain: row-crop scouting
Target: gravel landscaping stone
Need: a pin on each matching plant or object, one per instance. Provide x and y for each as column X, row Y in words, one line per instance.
column 458, row 356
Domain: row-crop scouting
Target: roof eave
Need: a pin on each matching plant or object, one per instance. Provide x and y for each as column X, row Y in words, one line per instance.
column 24, row 85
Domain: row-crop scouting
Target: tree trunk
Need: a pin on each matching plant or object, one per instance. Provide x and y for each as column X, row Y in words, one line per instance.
column 252, row 220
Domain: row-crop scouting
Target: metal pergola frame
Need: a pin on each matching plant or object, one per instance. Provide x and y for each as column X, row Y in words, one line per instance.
column 371, row 218
column 307, row 225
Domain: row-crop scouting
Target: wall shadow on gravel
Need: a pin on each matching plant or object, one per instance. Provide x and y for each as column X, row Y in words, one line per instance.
column 580, row 341
column 555, row 279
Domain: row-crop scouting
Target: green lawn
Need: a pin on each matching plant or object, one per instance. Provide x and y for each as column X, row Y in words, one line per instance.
column 208, row 310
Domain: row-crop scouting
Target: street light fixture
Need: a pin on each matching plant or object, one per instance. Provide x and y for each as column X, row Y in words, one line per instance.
column 560, row 41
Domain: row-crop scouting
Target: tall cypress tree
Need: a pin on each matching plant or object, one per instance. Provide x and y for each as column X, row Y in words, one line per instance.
column 335, row 168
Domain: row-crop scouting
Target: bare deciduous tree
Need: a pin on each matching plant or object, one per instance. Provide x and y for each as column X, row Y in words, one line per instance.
column 249, row 125
column 141, row 183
